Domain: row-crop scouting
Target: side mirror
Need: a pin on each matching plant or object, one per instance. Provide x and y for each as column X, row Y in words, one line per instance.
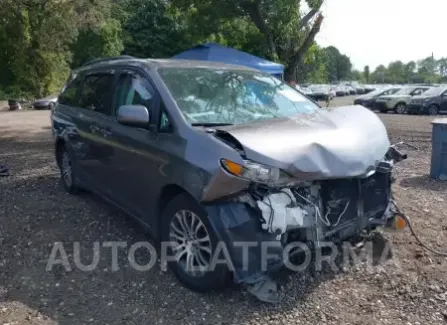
column 133, row 115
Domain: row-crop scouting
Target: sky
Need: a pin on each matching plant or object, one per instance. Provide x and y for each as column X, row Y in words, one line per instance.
column 374, row 32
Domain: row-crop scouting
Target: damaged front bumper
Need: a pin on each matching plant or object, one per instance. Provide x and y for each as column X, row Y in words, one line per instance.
column 258, row 224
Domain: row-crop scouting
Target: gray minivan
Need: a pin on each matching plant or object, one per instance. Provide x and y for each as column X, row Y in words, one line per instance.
column 205, row 153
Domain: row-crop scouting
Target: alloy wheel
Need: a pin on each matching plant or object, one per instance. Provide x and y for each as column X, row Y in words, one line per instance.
column 191, row 243
column 401, row 108
column 433, row 110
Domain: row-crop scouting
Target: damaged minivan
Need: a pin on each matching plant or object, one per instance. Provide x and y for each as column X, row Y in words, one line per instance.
column 204, row 153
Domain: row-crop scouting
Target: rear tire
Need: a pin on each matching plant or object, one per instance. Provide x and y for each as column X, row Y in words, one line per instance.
column 433, row 110
column 186, row 226
column 68, row 176
column 400, row 108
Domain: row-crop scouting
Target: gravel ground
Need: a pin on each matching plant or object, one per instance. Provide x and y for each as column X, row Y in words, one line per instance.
column 35, row 212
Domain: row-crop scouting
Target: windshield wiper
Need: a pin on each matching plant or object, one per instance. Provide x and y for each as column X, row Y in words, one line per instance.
column 211, row 124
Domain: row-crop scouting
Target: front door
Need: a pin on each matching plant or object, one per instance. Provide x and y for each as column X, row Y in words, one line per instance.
column 137, row 158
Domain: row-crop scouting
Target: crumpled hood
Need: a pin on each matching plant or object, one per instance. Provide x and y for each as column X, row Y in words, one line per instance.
column 337, row 143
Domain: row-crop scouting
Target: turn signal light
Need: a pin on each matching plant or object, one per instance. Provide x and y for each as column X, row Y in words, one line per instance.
column 232, row 167
column 399, row 223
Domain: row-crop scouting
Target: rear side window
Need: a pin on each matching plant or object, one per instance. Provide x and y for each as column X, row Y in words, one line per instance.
column 69, row 94
column 96, row 92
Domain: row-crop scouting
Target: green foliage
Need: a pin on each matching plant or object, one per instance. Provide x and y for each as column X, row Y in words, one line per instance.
column 40, row 40
column 338, row 66
column 427, row 70
column 358, row 76
column 312, row 69
column 99, row 41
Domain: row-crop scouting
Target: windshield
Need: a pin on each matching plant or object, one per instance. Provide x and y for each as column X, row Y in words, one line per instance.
column 383, row 92
column 376, row 92
column 222, row 96
column 435, row 91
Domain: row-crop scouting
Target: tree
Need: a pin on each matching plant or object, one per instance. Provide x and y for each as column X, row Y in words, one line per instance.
column 442, row 64
column 288, row 33
column 99, row 41
column 366, row 73
column 410, row 67
column 36, row 38
column 358, row 76
column 344, row 67
column 396, row 72
column 380, row 75
column 154, row 29
column 312, row 69
column 428, row 69
column 331, row 62
column 338, row 66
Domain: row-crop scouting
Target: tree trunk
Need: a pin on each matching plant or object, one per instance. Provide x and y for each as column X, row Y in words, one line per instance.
column 290, row 72
column 257, row 17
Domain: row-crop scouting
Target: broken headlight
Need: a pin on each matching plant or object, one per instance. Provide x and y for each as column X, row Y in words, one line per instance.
column 256, row 172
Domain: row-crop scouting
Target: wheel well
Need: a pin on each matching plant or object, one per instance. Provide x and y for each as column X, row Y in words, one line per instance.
column 167, row 193
column 399, row 104
column 60, row 144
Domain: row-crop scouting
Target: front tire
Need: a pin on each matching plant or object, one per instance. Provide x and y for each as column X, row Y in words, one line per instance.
column 401, row 108
column 193, row 241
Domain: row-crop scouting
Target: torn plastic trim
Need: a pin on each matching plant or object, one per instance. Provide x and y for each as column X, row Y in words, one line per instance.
column 236, row 223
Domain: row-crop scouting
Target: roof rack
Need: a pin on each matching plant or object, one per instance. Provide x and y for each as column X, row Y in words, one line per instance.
column 112, row 58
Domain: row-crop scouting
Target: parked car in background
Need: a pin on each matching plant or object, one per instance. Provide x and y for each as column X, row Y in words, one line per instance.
column 398, row 101
column 347, row 90
column 431, row 102
column 359, row 89
column 305, row 90
column 370, row 88
column 320, row 92
column 339, row 90
column 351, row 90
column 45, row 103
column 369, row 99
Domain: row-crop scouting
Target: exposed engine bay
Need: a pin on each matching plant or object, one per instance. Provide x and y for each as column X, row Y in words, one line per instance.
column 328, row 206
column 310, row 212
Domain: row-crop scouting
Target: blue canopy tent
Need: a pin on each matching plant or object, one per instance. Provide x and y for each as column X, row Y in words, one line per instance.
column 218, row 53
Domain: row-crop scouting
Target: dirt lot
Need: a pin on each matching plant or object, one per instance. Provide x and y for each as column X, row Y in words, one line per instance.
column 35, row 212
